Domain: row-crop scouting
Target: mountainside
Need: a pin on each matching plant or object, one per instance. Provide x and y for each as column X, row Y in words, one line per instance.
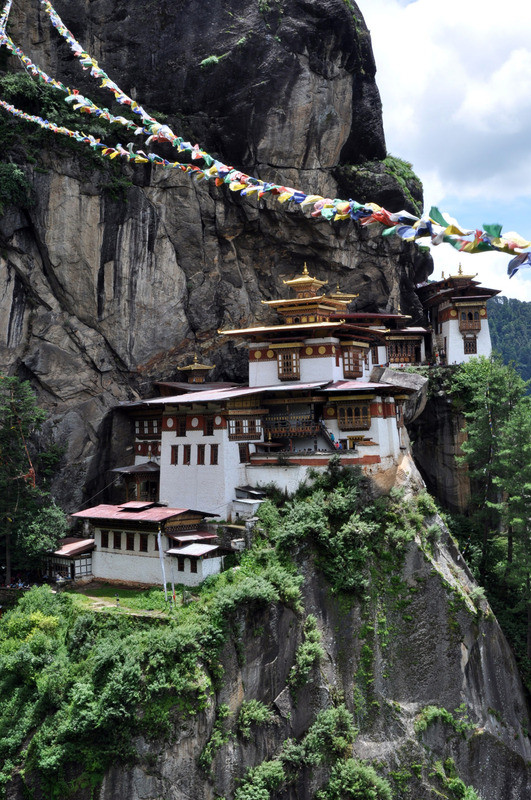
column 112, row 276
column 510, row 330
column 349, row 653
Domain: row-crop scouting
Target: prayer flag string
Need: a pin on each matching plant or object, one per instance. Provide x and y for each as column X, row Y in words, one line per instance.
column 435, row 227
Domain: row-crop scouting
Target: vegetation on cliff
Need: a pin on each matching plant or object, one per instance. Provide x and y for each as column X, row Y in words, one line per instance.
column 30, row 522
column 495, row 535
column 509, row 325
column 77, row 686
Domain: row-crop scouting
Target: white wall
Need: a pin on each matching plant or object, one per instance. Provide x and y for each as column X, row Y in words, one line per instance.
column 204, row 487
column 455, row 353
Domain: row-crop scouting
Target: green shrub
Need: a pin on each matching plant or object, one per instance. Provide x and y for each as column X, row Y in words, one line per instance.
column 354, row 780
column 330, row 737
column 308, row 654
column 15, row 189
column 253, row 712
column 430, row 714
column 260, row 781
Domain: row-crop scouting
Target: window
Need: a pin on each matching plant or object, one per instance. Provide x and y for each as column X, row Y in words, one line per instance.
column 243, row 428
column 187, row 449
column 401, row 352
column 471, row 346
column 156, row 543
column 143, row 543
column 180, row 563
column 352, row 362
column 193, row 565
column 200, row 454
column 174, row 454
column 181, row 426
column 374, row 353
column 288, row 364
column 208, row 426
column 130, row 541
column 117, row 540
column 214, row 454
column 105, row 538
column 354, row 417
column 244, row 452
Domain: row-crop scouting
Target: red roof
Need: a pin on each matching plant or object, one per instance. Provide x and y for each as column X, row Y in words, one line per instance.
column 72, row 546
column 218, row 396
column 122, row 514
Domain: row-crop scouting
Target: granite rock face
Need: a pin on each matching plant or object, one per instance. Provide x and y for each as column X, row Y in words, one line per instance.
column 100, row 293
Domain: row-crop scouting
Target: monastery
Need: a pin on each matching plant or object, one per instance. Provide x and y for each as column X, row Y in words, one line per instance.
column 322, row 381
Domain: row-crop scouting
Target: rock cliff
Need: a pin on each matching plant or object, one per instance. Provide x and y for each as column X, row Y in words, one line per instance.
column 111, row 279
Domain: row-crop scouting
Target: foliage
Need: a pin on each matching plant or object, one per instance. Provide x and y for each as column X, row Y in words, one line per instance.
column 431, row 714
column 260, row 781
column 81, row 685
column 447, row 776
column 330, row 737
column 509, row 325
column 308, row 654
column 219, row 736
column 337, row 516
column 28, row 518
column 253, row 712
column 496, row 537
column 402, row 172
column 15, row 189
column 354, row 780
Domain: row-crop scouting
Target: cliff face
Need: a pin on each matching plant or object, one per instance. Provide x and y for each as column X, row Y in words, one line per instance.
column 101, row 294
column 422, row 642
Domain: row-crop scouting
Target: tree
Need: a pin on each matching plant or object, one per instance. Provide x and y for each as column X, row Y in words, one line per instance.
column 28, row 517
column 490, row 395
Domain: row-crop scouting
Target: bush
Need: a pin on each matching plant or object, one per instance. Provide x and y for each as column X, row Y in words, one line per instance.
column 307, row 655
column 354, row 780
column 253, row 712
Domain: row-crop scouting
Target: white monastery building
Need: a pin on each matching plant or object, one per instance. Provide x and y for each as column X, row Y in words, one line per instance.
column 322, row 382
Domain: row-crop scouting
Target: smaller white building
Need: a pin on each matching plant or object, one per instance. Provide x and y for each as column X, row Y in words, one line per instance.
column 457, row 309
column 145, row 543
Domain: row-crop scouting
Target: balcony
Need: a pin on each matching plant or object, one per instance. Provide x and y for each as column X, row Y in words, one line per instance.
column 469, row 324
column 292, row 427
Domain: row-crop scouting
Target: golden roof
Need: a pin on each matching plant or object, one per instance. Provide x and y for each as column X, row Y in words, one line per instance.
column 304, row 280
column 196, row 365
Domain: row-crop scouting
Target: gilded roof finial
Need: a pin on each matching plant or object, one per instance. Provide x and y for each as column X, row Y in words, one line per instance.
column 305, row 269
column 442, row 275
column 460, row 270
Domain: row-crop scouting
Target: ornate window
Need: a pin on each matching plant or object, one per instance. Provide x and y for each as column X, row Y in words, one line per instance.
column 181, row 426
column 470, row 345
column 288, row 364
column 214, row 454
column 469, row 319
column 208, row 426
column 244, row 452
column 402, row 352
column 245, row 428
column 353, row 362
column 355, row 416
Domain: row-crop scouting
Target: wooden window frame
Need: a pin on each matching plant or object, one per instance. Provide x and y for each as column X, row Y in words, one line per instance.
column 181, row 427
column 174, row 454
column 243, row 452
column 143, row 545
column 214, row 455
column 289, row 364
column 470, row 346
column 105, row 540
column 355, row 416
column 353, row 361
column 117, row 540
column 208, row 426
column 193, row 565
column 130, row 541
column 201, row 454
column 187, row 454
